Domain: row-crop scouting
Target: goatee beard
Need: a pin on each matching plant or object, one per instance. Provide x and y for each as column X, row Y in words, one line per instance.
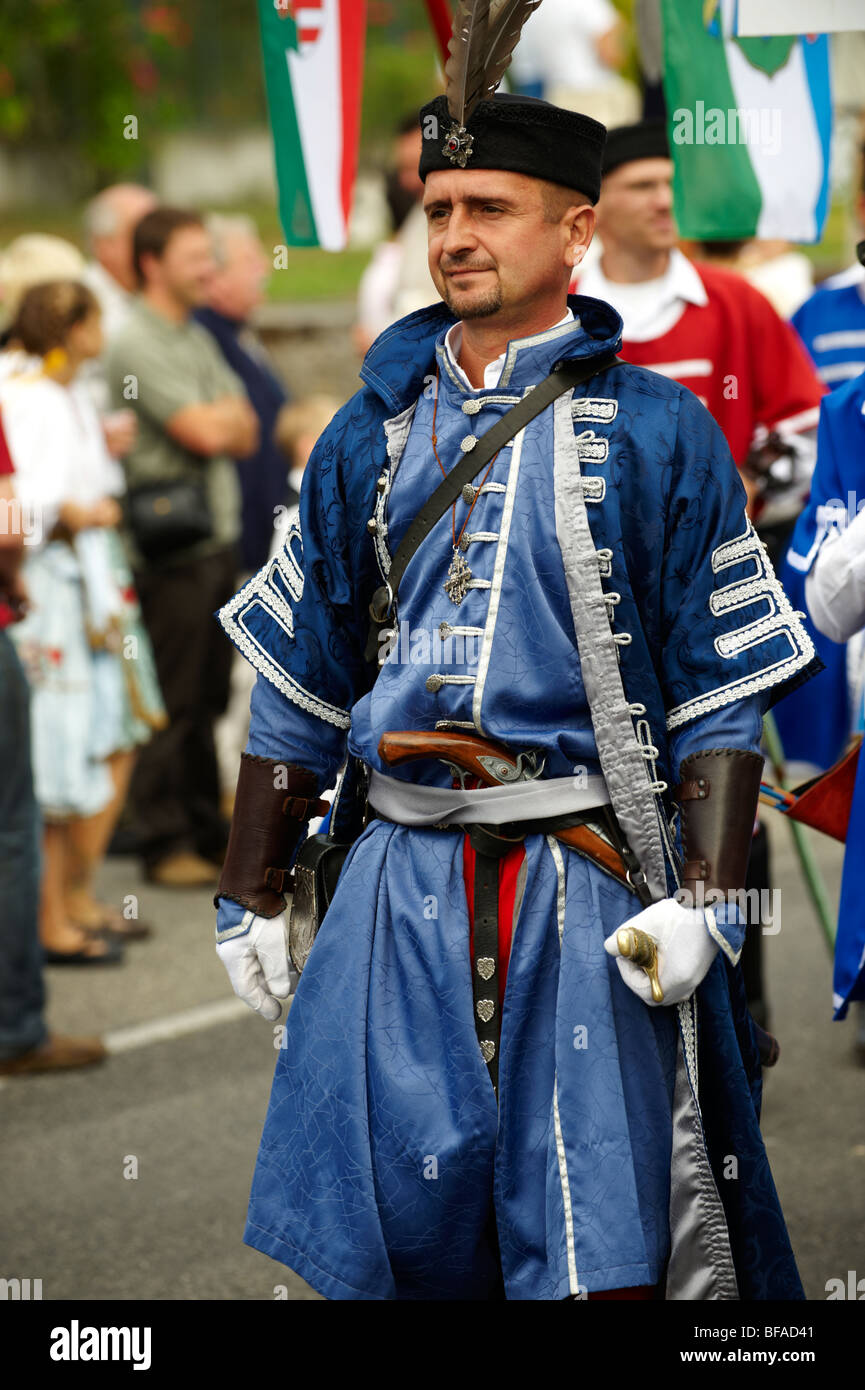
column 478, row 308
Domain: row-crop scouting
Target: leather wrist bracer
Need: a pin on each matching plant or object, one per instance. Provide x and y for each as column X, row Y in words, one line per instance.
column 273, row 803
column 718, row 801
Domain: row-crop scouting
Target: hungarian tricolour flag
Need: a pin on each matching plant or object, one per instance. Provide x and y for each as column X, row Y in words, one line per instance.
column 750, row 122
column 313, row 60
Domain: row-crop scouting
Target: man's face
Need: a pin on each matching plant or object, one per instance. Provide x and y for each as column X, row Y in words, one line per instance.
column 187, row 266
column 237, row 286
column 491, row 249
column 636, row 206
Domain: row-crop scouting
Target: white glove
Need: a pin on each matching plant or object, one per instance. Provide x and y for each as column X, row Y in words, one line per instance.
column 685, row 951
column 258, row 966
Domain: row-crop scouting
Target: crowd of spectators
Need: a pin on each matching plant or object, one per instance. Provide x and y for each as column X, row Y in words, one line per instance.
column 149, row 461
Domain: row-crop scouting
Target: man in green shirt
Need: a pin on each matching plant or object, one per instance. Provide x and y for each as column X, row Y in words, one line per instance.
column 194, row 420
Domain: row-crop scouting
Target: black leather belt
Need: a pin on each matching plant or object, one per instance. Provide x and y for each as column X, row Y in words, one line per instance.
column 490, row 844
column 489, row 848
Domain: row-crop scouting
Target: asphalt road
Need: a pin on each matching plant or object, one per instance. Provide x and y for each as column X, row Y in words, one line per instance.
column 182, row 1098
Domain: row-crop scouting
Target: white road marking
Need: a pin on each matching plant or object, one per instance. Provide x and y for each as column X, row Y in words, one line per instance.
column 171, row 1026
column 175, row 1025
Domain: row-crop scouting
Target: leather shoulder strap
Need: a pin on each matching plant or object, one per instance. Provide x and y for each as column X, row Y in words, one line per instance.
column 566, row 376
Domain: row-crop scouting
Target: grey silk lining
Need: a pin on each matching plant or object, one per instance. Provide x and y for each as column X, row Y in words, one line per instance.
column 701, row 1261
column 408, row 803
column 619, row 750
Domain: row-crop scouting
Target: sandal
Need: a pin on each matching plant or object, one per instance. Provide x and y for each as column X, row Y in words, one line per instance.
column 111, row 955
column 109, row 922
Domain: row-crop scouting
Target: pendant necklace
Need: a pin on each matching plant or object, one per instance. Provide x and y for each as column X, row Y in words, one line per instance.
column 459, row 574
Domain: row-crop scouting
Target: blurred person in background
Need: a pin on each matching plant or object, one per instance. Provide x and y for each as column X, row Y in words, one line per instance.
column 95, row 697
column 30, row 259
column 26, row 1046
column 705, row 327
column 827, row 554
column 572, row 55
column 236, row 290
column 397, row 280
column 783, row 275
column 297, row 428
column 109, row 221
column 831, row 323
column 183, row 527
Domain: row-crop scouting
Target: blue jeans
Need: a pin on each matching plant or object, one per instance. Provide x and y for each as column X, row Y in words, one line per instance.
column 22, row 993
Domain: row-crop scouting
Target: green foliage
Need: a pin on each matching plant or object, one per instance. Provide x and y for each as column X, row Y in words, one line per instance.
column 70, row 74
column 73, row 71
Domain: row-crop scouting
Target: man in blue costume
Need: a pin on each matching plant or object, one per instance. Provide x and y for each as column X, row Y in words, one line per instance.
column 827, row 551
column 597, row 604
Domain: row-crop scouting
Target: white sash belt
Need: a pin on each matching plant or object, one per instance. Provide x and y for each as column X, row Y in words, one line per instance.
column 409, row 803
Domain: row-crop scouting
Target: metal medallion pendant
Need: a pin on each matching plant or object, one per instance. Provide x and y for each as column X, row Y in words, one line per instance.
column 457, row 583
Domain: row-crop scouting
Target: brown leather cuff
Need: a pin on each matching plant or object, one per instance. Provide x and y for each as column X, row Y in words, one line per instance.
column 272, row 805
column 718, row 800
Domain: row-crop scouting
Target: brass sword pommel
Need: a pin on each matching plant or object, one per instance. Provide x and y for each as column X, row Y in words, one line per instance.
column 642, row 950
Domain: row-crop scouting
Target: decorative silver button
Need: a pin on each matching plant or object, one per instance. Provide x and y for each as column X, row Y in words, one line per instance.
column 469, row 493
column 465, row 540
column 444, row 629
column 485, row 1009
column 372, row 525
column 382, row 482
column 468, row 443
column 433, row 683
column 471, row 407
column 486, row 967
column 488, row 1050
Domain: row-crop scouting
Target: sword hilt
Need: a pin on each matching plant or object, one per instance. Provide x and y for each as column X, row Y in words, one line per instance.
column 641, row 949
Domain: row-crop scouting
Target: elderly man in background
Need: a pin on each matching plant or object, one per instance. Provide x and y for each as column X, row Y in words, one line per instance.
column 236, row 290
column 109, row 222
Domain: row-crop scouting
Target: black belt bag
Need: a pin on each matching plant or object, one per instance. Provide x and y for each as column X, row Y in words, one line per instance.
column 165, row 517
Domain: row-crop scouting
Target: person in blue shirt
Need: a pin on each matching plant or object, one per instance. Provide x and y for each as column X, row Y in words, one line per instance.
column 235, row 291
column 831, row 323
column 828, row 553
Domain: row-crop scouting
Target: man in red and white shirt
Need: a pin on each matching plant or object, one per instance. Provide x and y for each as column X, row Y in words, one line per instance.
column 702, row 325
column 25, row 1044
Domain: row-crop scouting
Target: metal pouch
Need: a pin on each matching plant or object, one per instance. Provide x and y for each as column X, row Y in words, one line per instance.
column 316, row 872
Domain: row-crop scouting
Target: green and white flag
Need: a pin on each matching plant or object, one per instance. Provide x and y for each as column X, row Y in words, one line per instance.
column 750, row 122
column 313, row 61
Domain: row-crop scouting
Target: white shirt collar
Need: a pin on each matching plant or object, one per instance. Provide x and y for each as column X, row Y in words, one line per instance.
column 649, row 308
column 493, row 370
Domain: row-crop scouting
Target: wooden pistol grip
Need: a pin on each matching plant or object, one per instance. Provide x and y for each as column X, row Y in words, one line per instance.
column 405, row 745
column 582, row 838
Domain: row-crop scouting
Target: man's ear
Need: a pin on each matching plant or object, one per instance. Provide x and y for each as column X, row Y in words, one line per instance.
column 580, row 222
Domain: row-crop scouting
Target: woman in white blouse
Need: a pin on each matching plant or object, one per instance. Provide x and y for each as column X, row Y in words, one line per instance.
column 95, row 696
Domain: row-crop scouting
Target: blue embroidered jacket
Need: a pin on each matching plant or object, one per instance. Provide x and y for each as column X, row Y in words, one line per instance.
column 699, row 619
